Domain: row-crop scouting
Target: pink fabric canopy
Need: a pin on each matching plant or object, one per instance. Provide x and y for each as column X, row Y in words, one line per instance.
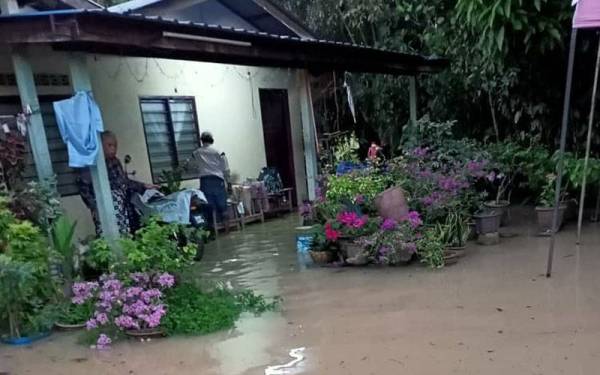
column 587, row 14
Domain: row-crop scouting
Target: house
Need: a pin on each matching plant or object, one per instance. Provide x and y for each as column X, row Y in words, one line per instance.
column 162, row 71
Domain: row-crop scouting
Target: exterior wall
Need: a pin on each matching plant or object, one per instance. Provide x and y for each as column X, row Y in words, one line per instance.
column 227, row 102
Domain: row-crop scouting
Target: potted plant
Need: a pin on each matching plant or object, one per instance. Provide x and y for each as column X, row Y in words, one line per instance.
column 61, row 233
column 322, row 249
column 430, row 248
column 73, row 316
column 353, row 226
column 487, row 221
column 458, row 230
column 22, row 321
column 508, row 158
column 545, row 208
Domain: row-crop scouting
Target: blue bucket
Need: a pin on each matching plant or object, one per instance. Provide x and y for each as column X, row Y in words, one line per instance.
column 304, row 242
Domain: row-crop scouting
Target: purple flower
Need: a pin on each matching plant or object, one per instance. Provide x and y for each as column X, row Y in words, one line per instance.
column 420, row 152
column 149, row 294
column 410, row 247
column 166, row 280
column 126, row 322
column 83, row 292
column 388, row 225
column 384, row 250
column 491, row 177
column 414, row 219
column 359, row 199
column 140, row 278
column 101, row 318
column 103, row 342
column 91, row 324
column 133, row 292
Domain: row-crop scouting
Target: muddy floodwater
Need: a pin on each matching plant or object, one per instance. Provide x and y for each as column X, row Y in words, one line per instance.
column 492, row 313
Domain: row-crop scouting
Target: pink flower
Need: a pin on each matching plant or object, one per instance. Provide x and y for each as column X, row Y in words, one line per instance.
column 331, row 234
column 352, row 220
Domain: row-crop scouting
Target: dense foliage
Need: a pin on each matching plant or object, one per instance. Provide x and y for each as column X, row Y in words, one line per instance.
column 506, row 76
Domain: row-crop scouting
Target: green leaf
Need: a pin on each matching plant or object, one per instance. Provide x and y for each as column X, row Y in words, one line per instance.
column 538, row 5
column 500, row 38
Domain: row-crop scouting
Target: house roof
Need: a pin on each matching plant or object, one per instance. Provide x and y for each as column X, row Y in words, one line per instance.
column 97, row 31
column 259, row 15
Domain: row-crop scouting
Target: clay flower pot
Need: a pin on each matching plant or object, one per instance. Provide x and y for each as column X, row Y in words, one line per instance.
column 502, row 207
column 545, row 216
column 321, row 257
column 487, row 222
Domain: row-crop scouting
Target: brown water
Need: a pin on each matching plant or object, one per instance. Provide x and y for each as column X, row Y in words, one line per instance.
column 492, row 313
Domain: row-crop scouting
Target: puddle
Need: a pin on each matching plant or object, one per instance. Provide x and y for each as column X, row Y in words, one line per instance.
column 407, row 320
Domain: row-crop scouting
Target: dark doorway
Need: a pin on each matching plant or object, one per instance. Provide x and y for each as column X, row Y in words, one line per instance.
column 278, row 135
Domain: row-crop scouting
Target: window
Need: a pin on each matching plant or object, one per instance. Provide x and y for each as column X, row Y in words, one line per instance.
column 171, row 132
column 66, row 176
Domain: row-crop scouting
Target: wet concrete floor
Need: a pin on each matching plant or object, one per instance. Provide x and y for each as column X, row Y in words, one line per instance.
column 492, row 313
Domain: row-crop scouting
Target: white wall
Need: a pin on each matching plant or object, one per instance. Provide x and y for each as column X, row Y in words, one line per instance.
column 227, row 102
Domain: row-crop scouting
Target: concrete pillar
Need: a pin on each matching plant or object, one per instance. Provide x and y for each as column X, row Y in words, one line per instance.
column 29, row 99
column 310, row 135
column 9, row 7
column 80, row 79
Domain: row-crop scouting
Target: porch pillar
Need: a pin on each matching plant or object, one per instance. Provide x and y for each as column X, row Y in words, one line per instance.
column 80, row 79
column 29, row 99
column 310, row 134
column 413, row 100
column 9, row 6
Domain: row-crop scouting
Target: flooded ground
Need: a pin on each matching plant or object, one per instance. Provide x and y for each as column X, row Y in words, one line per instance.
column 492, row 313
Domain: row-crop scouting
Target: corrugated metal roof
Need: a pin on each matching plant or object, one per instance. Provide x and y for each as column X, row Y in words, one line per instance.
column 432, row 63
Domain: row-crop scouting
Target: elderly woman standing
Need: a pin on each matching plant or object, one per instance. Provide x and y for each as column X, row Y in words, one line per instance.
column 121, row 187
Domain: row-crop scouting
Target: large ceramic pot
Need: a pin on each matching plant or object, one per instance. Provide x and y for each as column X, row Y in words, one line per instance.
column 545, row 217
column 502, row 207
column 352, row 253
column 487, row 222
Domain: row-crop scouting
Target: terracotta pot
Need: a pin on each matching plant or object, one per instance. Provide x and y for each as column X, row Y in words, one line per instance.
column 545, row 216
column 451, row 257
column 321, row 257
column 487, row 222
column 69, row 327
column 460, row 251
column 502, row 207
column 144, row 333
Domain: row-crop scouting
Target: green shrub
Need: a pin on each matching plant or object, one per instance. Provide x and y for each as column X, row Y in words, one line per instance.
column 345, row 189
column 193, row 312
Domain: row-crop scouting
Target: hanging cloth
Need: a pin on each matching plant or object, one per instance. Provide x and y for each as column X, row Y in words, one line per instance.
column 350, row 99
column 79, row 120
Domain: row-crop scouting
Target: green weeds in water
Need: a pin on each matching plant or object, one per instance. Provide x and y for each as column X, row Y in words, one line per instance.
column 194, row 312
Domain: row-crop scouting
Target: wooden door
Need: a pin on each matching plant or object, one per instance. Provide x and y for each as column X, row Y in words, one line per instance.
column 278, row 135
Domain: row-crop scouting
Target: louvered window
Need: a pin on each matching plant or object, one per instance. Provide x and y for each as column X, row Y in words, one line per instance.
column 171, row 132
column 66, row 176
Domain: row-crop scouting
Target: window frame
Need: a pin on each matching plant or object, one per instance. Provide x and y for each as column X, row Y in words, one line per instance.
column 167, row 99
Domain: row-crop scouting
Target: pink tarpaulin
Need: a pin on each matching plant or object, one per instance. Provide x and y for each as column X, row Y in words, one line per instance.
column 587, row 14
